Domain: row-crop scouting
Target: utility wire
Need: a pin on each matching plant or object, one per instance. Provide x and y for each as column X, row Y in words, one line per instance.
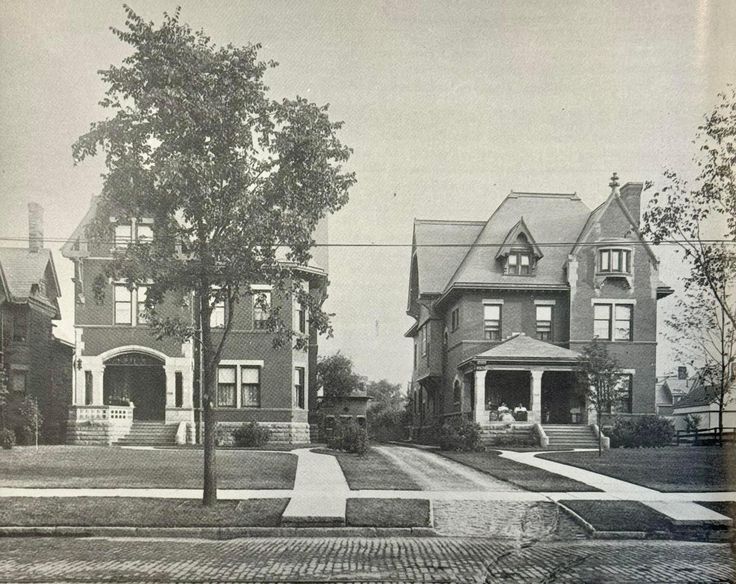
column 464, row 245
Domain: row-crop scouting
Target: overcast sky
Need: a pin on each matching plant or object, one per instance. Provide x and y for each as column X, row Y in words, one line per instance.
column 448, row 106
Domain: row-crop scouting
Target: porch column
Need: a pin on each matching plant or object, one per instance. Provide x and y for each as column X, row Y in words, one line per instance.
column 170, row 373
column 479, row 407
column 536, row 394
column 79, row 385
column 98, row 375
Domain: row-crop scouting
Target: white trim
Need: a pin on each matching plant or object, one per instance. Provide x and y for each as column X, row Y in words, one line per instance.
column 545, row 302
column 130, row 349
column 492, row 301
column 245, row 362
column 594, row 301
column 261, row 287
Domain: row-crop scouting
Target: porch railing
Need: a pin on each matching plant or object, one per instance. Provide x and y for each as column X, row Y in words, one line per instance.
column 114, row 414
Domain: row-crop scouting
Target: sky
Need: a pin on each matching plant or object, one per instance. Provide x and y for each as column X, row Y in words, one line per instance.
column 448, row 106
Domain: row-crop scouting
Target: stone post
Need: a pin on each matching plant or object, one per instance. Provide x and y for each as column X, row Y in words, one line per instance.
column 479, row 407
column 536, row 394
column 98, row 375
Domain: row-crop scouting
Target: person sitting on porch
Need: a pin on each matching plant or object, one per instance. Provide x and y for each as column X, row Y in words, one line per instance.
column 503, row 408
column 520, row 408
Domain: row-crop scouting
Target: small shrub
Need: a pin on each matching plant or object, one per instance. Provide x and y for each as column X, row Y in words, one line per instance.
column 641, row 432
column 459, row 434
column 7, row 438
column 251, row 434
column 348, row 436
column 692, row 422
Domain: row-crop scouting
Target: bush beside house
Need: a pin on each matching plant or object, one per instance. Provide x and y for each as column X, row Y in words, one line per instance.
column 641, row 432
column 460, row 434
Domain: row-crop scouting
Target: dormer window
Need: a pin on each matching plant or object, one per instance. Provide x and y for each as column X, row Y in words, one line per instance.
column 519, row 264
column 614, row 261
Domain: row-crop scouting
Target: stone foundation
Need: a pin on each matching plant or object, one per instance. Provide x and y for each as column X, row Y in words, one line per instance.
column 281, row 432
column 94, row 432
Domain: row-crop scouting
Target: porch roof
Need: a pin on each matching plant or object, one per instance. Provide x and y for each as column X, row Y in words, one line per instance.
column 520, row 349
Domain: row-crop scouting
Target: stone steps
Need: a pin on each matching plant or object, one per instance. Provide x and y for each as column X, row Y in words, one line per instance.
column 570, row 436
column 149, row 434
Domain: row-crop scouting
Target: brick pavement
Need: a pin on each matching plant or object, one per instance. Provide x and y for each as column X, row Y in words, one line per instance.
column 423, row 560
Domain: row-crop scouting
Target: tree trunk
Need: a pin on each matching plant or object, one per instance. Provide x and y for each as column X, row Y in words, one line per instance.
column 600, row 432
column 210, row 471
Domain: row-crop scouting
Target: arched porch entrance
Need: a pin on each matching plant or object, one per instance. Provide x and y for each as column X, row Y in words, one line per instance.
column 138, row 378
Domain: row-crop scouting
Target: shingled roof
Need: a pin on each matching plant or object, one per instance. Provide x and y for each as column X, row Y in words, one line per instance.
column 520, row 347
column 21, row 269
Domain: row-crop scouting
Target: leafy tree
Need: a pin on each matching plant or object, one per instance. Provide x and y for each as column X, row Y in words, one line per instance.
column 235, row 181
column 387, row 410
column 336, row 377
column 599, row 377
column 705, row 338
column 699, row 217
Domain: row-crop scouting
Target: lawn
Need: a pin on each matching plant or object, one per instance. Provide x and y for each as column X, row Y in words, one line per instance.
column 522, row 475
column 134, row 512
column 387, row 513
column 372, row 471
column 100, row 467
column 619, row 515
column 670, row 469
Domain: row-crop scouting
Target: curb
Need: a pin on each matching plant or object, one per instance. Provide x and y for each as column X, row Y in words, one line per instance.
column 217, row 533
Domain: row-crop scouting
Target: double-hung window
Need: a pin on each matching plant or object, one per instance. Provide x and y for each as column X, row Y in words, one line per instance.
column 261, row 308
column 492, row 322
column 141, row 292
column 123, row 304
column 138, row 230
column 544, row 323
column 299, row 380
column 226, row 387
column 250, row 387
column 519, row 264
column 217, row 316
column 455, row 320
column 613, row 321
column 622, row 403
column 123, row 235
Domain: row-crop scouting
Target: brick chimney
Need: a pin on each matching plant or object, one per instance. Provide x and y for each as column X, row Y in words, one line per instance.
column 35, row 227
column 630, row 194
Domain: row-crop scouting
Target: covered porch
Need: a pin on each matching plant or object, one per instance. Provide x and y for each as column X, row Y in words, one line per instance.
column 525, row 380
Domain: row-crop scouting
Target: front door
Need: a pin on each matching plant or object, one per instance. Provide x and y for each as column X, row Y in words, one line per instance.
column 144, row 386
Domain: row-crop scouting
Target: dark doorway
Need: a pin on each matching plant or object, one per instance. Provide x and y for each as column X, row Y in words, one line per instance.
column 561, row 403
column 507, row 387
column 145, row 386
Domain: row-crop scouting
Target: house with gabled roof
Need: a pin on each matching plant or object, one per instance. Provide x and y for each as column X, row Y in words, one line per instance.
column 503, row 306
column 34, row 362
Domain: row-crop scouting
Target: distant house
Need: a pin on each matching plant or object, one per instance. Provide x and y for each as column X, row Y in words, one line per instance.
column 36, row 364
column 502, row 306
column 132, row 387
column 702, row 401
column 671, row 388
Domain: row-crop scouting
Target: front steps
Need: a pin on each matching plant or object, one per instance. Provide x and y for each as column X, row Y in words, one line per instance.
column 569, row 436
column 145, row 433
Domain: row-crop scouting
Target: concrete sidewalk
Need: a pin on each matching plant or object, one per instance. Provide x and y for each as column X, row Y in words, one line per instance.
column 681, row 512
column 320, row 491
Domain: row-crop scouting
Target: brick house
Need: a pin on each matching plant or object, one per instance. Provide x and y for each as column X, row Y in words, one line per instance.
column 36, row 363
column 501, row 314
column 132, row 387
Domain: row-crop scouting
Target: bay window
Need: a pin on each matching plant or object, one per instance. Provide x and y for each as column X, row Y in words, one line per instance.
column 614, row 261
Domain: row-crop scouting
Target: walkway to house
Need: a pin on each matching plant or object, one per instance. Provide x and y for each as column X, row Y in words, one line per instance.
column 320, row 491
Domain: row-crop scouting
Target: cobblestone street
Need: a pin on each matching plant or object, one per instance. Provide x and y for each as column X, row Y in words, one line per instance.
column 424, row 560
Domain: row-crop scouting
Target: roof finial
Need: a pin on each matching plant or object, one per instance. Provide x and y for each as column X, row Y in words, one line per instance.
column 614, row 181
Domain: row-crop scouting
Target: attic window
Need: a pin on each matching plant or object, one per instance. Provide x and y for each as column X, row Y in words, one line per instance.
column 519, row 264
column 614, row 261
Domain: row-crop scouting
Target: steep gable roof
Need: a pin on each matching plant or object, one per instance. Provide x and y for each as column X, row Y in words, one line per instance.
column 439, row 247
column 554, row 218
column 22, row 268
column 512, row 237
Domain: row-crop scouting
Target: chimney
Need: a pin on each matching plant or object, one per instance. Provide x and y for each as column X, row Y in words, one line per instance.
column 35, row 227
column 631, row 196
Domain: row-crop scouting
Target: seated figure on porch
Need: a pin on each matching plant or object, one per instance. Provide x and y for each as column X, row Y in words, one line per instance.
column 520, row 413
column 503, row 408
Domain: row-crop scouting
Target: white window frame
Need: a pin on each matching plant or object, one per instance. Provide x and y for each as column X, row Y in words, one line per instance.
column 550, row 328
column 136, row 304
column 238, row 364
column 624, row 256
column 490, row 328
column 133, row 236
column 613, row 304
column 256, row 290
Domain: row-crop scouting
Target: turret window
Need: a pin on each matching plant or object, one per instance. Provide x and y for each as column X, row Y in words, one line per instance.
column 614, row 261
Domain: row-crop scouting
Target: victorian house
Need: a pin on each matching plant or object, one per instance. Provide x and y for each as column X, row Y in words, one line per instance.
column 502, row 307
column 130, row 387
column 34, row 364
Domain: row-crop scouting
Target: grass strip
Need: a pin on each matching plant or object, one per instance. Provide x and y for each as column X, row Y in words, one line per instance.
column 388, row 513
column 519, row 474
column 372, row 471
column 137, row 512
column 678, row 468
column 105, row 467
column 619, row 515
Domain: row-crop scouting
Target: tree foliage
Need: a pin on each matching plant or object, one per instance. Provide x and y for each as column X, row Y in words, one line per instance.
column 599, row 377
column 336, row 378
column 700, row 217
column 387, row 414
column 235, row 181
